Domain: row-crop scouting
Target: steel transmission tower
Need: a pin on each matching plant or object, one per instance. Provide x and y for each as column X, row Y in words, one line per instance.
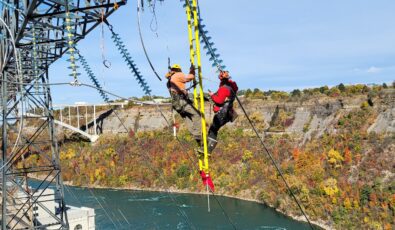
column 33, row 35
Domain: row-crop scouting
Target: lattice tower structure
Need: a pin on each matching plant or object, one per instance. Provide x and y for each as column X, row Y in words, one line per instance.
column 38, row 31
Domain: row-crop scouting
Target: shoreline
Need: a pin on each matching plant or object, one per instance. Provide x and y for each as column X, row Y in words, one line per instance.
column 300, row 218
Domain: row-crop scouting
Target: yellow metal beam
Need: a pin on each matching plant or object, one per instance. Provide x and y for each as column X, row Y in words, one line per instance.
column 194, row 45
column 201, row 93
column 191, row 47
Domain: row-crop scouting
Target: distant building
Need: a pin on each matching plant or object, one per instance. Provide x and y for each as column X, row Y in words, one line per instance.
column 80, row 103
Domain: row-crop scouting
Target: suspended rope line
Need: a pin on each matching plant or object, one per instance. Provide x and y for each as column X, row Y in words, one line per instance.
column 274, row 162
column 162, row 177
column 191, row 158
column 215, row 58
column 213, row 55
column 128, row 59
column 101, row 206
column 106, row 63
column 223, row 210
column 154, row 18
column 135, row 196
column 192, row 164
column 112, row 210
column 94, row 80
column 98, row 88
column 126, row 55
column 121, row 47
column 158, row 171
column 142, row 41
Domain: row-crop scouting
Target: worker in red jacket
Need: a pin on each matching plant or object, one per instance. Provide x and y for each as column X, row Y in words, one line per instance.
column 223, row 107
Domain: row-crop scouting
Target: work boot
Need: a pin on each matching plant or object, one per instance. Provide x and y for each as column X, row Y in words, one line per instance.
column 210, row 147
column 211, row 144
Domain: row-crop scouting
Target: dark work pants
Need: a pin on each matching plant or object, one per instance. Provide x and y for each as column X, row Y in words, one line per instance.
column 219, row 120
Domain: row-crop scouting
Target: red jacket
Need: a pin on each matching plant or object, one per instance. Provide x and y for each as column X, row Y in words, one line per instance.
column 223, row 94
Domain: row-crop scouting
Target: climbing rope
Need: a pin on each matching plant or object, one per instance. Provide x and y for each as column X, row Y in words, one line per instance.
column 126, row 55
column 274, row 162
column 218, row 63
column 105, row 62
column 154, row 19
column 191, row 159
column 121, row 47
column 142, row 41
column 94, row 80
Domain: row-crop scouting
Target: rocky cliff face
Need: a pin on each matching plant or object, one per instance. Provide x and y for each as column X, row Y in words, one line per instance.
column 308, row 119
column 342, row 170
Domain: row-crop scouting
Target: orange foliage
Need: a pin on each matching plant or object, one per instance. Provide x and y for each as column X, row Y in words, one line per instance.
column 347, row 156
column 387, row 226
column 295, row 154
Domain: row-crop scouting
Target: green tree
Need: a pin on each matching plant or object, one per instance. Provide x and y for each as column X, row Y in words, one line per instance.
column 296, row 93
column 334, row 92
column 364, row 194
column 341, row 87
column 256, row 90
column 280, row 95
column 324, row 89
column 183, row 171
column 248, row 93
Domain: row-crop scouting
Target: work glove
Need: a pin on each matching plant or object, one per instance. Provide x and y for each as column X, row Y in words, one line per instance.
column 192, row 69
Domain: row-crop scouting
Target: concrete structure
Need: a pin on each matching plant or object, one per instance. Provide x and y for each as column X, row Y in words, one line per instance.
column 78, row 218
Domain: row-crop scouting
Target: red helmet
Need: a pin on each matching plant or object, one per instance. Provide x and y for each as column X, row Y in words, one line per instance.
column 224, row 74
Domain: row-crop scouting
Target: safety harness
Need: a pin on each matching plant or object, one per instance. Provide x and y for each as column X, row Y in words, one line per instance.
column 179, row 99
column 226, row 111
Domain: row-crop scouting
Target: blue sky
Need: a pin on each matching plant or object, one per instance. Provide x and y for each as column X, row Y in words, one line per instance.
column 266, row 44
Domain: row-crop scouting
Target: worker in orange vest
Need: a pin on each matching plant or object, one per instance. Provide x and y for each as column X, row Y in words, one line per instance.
column 180, row 100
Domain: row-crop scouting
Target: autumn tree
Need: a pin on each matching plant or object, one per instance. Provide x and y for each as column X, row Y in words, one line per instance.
column 347, row 156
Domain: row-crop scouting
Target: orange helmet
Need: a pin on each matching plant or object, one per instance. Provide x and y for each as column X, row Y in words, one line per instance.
column 224, row 74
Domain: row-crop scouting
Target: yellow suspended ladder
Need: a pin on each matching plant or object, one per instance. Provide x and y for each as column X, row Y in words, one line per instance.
column 198, row 94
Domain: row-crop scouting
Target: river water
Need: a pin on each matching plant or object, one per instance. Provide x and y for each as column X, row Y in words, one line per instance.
column 126, row 209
